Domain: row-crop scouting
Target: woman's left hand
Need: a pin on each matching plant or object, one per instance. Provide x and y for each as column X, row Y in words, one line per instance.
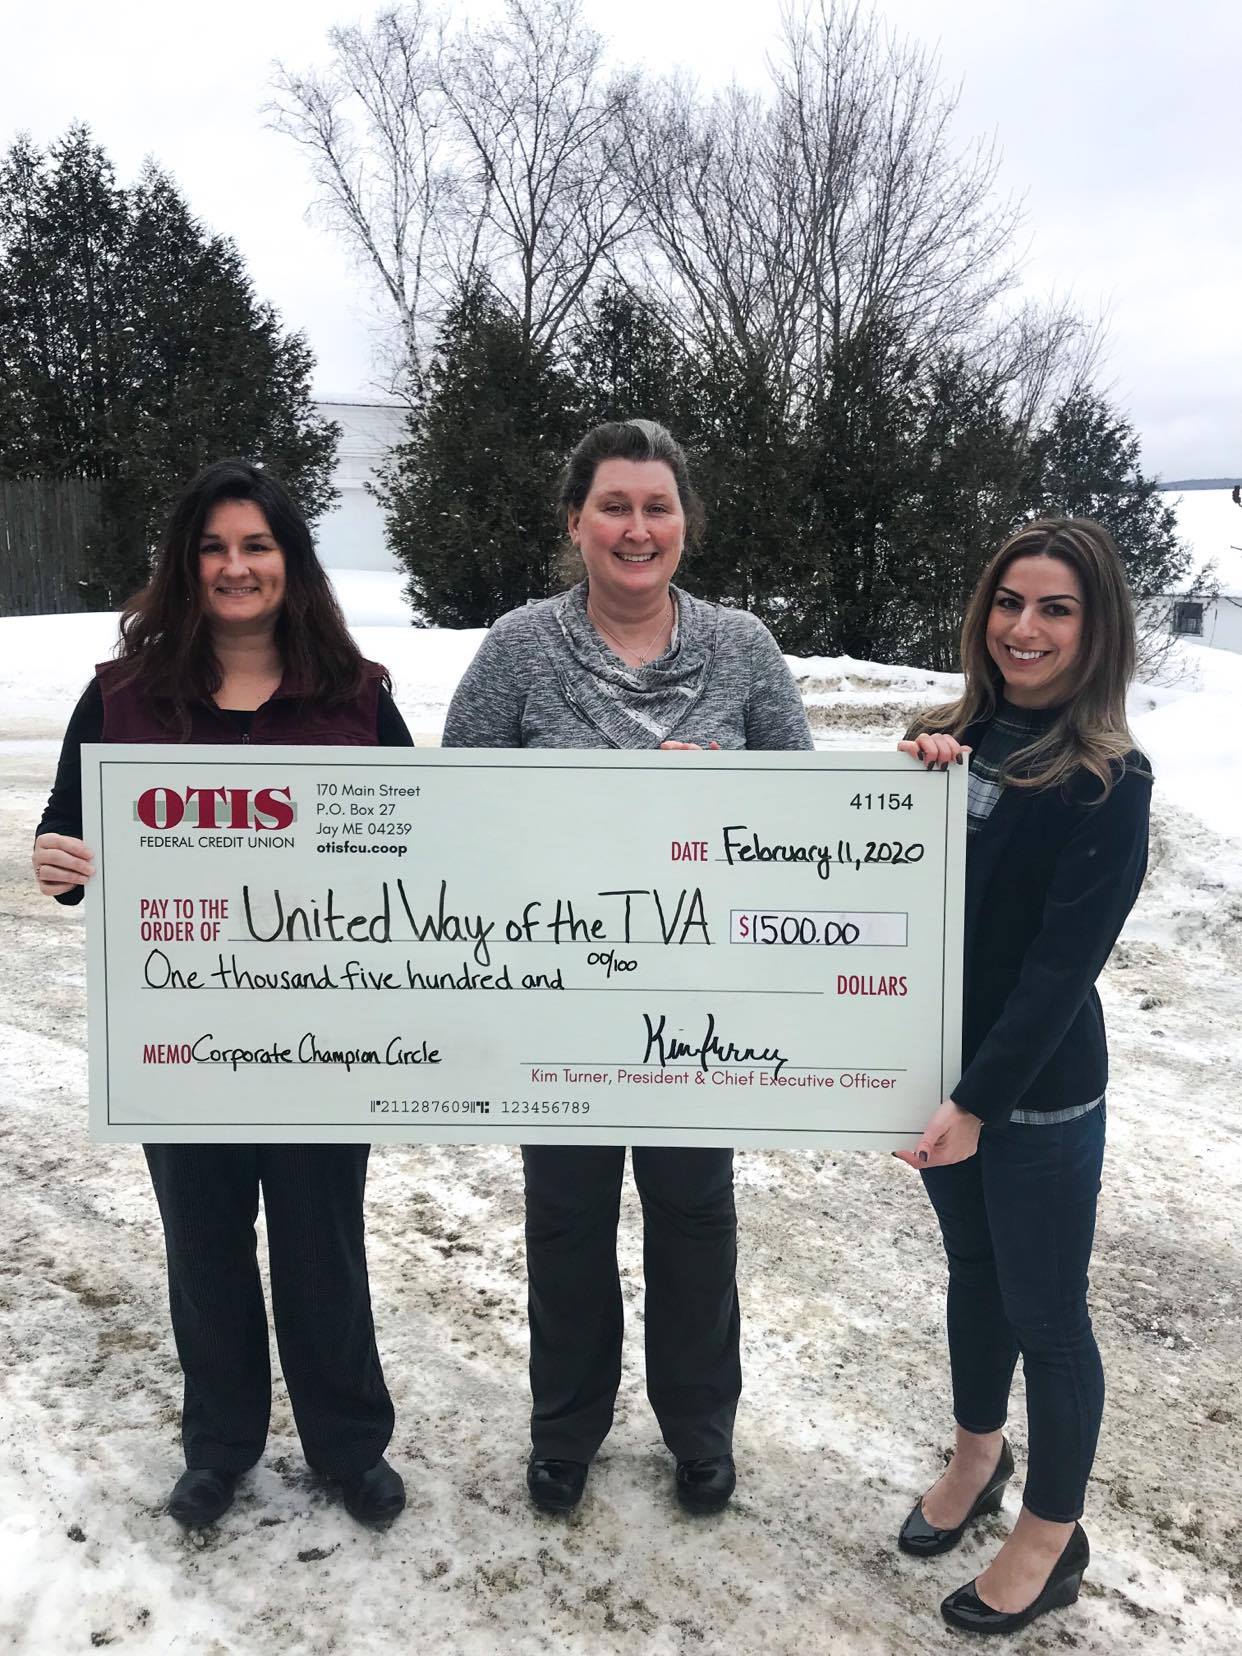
column 688, row 747
column 934, row 750
column 952, row 1135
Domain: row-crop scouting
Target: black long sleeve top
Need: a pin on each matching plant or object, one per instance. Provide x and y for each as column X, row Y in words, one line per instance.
column 1050, row 878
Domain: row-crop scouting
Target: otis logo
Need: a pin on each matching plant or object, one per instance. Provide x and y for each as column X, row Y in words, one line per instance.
column 262, row 810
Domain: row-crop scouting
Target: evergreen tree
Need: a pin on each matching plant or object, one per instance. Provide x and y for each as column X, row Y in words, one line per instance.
column 628, row 363
column 133, row 351
column 749, row 472
column 469, row 496
column 914, row 471
column 1088, row 466
column 967, row 481
column 62, row 232
column 847, row 588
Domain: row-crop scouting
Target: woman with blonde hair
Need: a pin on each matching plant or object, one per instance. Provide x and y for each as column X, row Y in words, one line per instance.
column 1057, row 850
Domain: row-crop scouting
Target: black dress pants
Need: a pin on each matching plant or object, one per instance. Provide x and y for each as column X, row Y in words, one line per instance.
column 208, row 1197
column 694, row 1375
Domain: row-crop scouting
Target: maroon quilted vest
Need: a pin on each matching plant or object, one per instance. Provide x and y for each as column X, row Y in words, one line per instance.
column 285, row 717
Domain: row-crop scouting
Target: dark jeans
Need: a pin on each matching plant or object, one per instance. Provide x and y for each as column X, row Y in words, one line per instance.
column 694, row 1375
column 208, row 1196
column 1018, row 1221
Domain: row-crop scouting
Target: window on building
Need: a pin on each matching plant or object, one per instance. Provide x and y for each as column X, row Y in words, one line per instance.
column 1188, row 618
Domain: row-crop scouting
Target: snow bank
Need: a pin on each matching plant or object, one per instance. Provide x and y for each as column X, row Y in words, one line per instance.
column 371, row 597
column 1187, row 729
column 45, row 662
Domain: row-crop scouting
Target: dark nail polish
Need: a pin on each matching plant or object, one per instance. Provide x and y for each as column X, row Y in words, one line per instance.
column 922, row 1155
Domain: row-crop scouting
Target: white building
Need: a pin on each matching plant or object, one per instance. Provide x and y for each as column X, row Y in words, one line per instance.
column 1216, row 622
column 351, row 534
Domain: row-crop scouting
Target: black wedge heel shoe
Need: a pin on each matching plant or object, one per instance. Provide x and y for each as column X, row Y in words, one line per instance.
column 923, row 1540
column 965, row 1609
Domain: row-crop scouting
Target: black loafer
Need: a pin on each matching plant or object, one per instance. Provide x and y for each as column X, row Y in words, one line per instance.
column 706, row 1485
column 924, row 1540
column 966, row 1609
column 375, row 1496
column 201, row 1496
column 555, row 1485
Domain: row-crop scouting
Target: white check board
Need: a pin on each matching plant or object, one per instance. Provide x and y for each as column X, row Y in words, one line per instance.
column 463, row 946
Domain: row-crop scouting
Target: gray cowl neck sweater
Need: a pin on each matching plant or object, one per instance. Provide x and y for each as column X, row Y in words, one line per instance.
column 544, row 677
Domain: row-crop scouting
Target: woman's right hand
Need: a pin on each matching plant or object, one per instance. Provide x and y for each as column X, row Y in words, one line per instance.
column 934, row 750
column 61, row 862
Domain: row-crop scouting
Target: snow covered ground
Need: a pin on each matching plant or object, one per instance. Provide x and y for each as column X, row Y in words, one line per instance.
column 845, row 1412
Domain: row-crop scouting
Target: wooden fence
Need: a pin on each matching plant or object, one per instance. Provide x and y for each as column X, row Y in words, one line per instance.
column 44, row 523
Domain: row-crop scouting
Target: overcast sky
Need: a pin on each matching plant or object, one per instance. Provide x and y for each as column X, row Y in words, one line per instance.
column 1118, row 122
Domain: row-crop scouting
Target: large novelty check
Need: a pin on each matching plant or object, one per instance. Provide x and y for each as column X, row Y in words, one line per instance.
column 462, row 946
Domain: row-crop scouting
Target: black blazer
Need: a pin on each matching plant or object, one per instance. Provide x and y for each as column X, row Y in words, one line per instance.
column 1050, row 879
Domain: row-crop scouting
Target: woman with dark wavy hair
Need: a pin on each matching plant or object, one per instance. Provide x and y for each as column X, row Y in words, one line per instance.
column 1056, row 852
column 238, row 637
column 181, row 632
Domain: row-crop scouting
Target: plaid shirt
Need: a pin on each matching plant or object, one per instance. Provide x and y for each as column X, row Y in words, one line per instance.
column 1011, row 728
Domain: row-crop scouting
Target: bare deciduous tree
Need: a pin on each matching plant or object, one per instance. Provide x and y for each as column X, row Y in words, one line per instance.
column 722, row 247
column 544, row 125
column 489, row 155
column 840, row 203
column 899, row 220
column 379, row 133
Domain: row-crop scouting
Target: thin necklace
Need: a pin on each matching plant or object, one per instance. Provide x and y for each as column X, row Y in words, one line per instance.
column 628, row 649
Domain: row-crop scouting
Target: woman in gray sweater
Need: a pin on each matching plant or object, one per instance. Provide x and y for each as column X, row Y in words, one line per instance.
column 626, row 660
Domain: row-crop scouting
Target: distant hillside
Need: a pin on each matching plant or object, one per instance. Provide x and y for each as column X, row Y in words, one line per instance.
column 1202, row 483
